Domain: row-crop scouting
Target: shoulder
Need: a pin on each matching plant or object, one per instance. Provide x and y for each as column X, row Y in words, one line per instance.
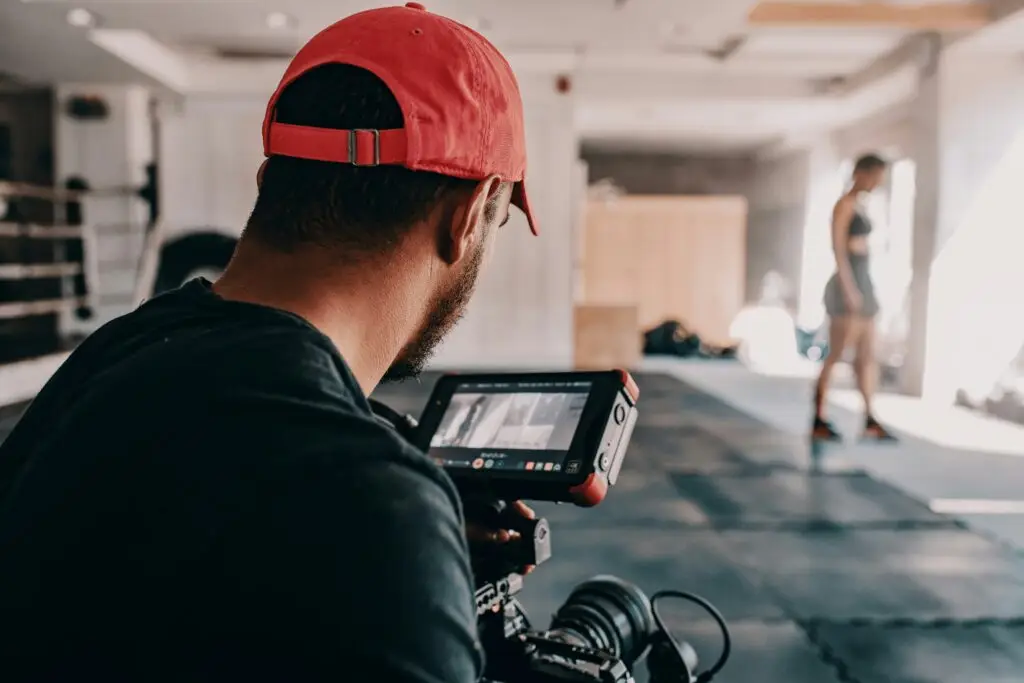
column 846, row 203
column 283, row 399
column 303, row 412
column 266, row 366
column 844, row 208
column 278, row 351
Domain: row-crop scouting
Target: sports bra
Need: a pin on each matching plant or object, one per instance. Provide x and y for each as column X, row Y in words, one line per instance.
column 859, row 225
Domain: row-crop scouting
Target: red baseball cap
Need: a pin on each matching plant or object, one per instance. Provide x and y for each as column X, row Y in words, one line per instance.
column 459, row 98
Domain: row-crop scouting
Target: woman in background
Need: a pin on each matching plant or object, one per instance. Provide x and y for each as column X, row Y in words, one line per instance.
column 850, row 301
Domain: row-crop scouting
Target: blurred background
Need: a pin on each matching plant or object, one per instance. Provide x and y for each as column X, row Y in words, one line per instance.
column 684, row 159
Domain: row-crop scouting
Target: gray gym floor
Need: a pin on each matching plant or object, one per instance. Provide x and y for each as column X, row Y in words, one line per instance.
column 825, row 575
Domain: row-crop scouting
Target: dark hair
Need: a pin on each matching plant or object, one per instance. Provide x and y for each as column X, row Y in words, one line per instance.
column 869, row 162
column 364, row 209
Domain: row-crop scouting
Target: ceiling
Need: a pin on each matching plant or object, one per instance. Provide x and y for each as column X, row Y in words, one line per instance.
column 683, row 72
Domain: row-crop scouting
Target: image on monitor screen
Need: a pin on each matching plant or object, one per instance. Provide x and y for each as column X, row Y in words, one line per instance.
column 520, row 421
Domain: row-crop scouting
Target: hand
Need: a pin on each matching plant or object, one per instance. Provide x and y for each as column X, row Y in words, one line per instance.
column 854, row 300
column 479, row 533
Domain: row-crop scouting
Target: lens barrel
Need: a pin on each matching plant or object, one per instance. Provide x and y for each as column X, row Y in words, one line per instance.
column 609, row 614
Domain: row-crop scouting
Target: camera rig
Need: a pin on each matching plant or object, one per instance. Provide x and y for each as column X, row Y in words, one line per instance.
column 601, row 632
column 604, row 628
column 515, row 652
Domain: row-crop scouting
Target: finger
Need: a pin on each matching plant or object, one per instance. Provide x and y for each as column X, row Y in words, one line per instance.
column 483, row 535
column 499, row 536
column 524, row 509
column 528, row 568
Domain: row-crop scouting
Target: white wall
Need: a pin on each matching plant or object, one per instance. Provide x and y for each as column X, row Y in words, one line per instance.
column 109, row 154
column 210, row 150
column 976, row 293
column 791, row 204
column 776, row 201
column 521, row 315
column 667, row 173
column 827, row 181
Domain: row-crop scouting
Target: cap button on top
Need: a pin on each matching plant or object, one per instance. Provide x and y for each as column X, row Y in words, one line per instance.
column 415, row 5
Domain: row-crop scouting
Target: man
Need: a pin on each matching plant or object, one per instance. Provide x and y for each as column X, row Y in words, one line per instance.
column 201, row 493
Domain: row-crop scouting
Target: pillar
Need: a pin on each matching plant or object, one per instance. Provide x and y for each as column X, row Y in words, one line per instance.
column 824, row 184
column 966, row 294
column 925, row 149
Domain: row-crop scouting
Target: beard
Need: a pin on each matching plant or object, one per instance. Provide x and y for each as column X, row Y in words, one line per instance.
column 446, row 311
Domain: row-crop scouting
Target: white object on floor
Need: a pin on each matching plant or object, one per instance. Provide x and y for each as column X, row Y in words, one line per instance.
column 767, row 338
column 22, row 380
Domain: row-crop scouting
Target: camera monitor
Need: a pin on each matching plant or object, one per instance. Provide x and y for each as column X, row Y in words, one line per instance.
column 539, row 436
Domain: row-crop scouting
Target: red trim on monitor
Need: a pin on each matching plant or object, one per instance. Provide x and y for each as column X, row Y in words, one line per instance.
column 591, row 492
column 630, row 384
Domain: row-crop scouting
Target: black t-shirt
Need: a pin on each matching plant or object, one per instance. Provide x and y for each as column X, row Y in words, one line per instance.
column 201, row 493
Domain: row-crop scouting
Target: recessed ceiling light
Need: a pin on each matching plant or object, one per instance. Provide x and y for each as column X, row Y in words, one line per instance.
column 278, row 20
column 82, row 18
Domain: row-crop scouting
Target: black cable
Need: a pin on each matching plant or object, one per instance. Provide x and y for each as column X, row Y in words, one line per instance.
column 715, row 614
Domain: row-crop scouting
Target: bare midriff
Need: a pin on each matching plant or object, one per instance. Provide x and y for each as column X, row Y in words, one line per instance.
column 857, row 244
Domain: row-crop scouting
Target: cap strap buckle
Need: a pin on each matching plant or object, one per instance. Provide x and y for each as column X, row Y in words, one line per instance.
column 353, row 146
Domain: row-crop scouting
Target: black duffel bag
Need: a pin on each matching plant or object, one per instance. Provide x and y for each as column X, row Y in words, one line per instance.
column 671, row 338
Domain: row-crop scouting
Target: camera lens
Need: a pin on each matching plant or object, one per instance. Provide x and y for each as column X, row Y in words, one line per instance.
column 606, row 613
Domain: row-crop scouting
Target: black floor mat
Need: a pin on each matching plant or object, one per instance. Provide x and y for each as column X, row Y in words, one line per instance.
column 761, row 653
column 985, row 653
column 653, row 560
column 640, row 501
column 690, row 449
column 916, row 574
column 794, row 498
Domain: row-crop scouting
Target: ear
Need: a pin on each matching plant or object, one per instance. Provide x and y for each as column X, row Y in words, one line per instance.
column 260, row 172
column 465, row 225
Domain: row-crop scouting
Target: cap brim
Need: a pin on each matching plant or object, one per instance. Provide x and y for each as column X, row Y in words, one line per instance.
column 519, row 199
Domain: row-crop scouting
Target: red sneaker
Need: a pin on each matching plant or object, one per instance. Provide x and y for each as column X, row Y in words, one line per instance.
column 822, row 430
column 873, row 431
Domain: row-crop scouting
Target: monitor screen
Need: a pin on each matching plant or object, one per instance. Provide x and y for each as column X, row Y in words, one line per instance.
column 510, row 426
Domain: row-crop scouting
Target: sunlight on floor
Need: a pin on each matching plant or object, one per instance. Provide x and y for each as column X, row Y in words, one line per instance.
column 972, row 506
column 965, row 464
column 949, row 426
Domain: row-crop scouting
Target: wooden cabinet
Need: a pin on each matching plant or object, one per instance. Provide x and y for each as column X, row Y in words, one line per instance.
column 668, row 257
column 606, row 337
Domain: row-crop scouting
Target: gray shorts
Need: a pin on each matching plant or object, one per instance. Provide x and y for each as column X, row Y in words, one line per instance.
column 835, row 305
